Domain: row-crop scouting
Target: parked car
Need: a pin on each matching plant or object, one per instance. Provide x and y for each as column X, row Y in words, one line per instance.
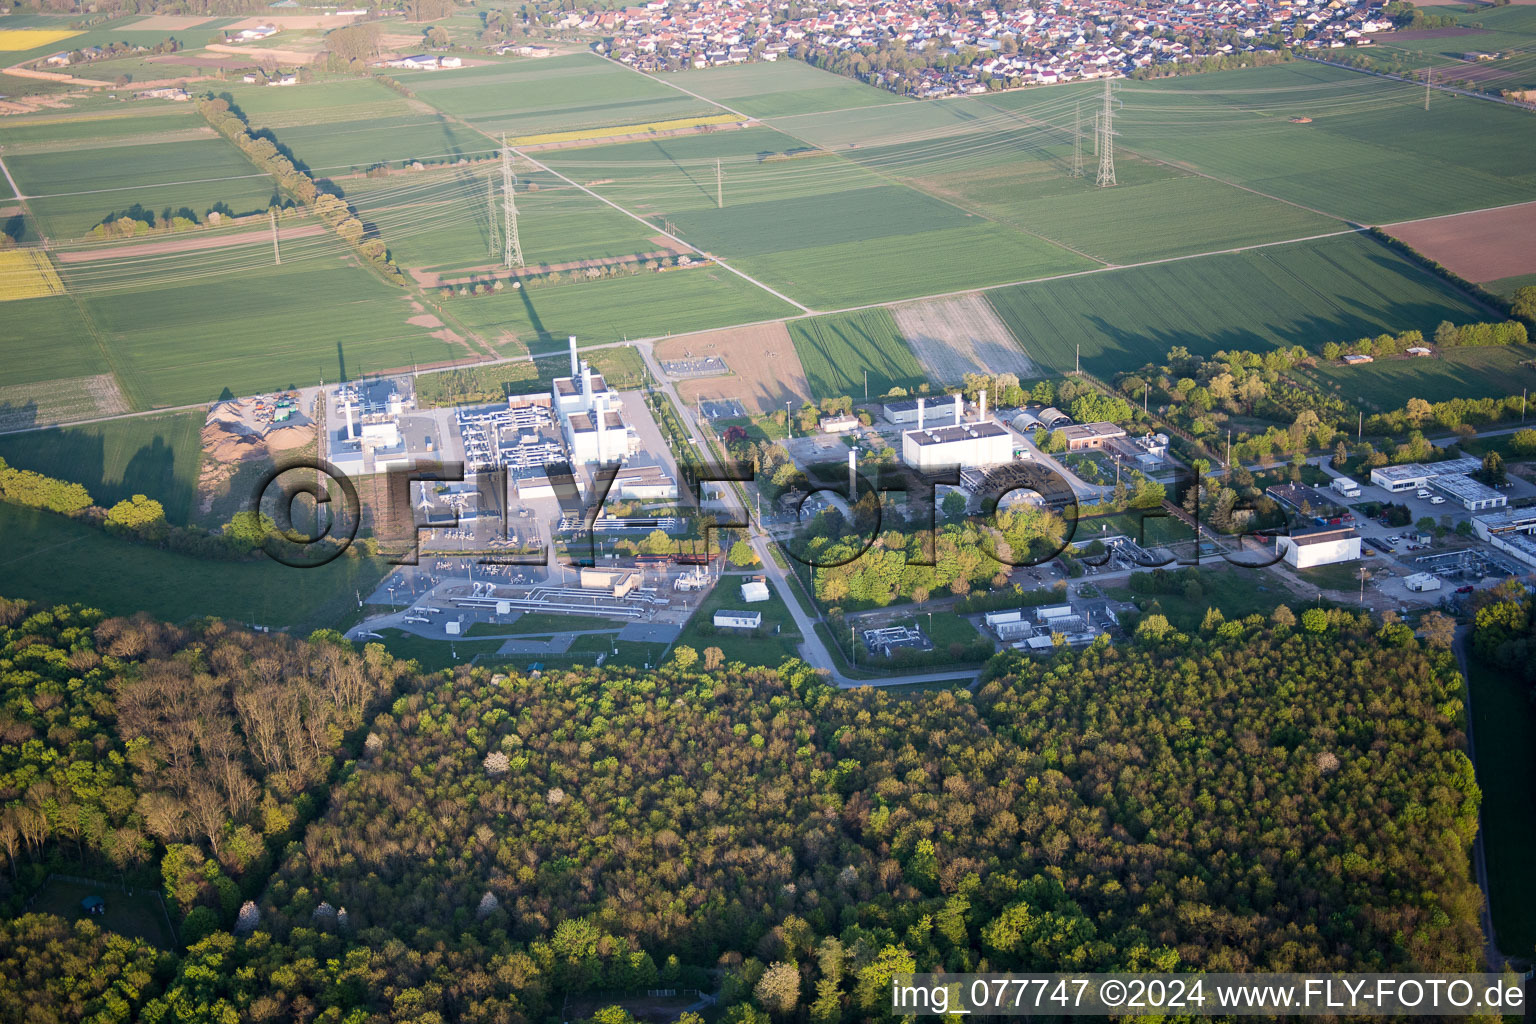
column 1465, row 590
column 1437, row 500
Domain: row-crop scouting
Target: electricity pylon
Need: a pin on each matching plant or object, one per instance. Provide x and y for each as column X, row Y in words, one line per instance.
column 1107, row 143
column 511, row 248
column 493, row 244
column 1077, row 142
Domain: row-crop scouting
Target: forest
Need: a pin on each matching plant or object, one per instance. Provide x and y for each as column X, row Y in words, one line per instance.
column 344, row 838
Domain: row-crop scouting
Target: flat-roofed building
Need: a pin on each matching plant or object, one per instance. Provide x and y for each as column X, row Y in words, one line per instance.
column 1083, row 436
column 1414, row 475
column 725, row 618
column 1473, row 495
column 1319, row 547
column 968, row 445
column 938, row 411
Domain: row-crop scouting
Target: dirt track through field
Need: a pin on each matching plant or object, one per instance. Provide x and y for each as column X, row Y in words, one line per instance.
column 954, row 337
column 765, row 370
column 1481, row 246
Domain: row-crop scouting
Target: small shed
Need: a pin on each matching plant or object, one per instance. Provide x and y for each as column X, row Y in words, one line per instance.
column 93, row 905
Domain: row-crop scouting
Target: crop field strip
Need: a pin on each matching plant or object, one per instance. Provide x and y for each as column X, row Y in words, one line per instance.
column 68, row 194
column 836, row 350
column 1303, row 293
column 619, row 308
column 177, row 347
column 553, row 94
column 27, row 274
column 820, row 228
column 437, row 222
column 13, row 40
column 1388, row 159
column 784, row 88
column 975, row 133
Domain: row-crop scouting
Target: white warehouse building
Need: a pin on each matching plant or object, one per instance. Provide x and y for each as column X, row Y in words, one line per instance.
column 967, row 446
column 1319, row 547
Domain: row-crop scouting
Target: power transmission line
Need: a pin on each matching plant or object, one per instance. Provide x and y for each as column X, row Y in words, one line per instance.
column 277, row 257
column 1107, row 144
column 1077, row 140
column 719, row 186
column 512, row 248
column 490, row 217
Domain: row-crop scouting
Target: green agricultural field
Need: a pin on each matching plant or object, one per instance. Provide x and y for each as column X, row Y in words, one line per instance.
column 897, row 267
column 1388, row 383
column 1507, row 286
column 647, row 304
column 821, row 228
column 351, row 146
column 329, row 100
column 781, row 88
column 135, row 69
column 1371, row 153
column 1306, row 293
column 1010, row 161
column 298, row 323
column 437, row 221
column 72, row 191
column 58, row 130
column 46, row 339
column 526, row 97
column 51, row 559
column 837, row 349
column 1488, row 29
column 154, row 455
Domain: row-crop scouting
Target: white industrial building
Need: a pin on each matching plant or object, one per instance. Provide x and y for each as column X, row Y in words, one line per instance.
column 363, row 437
column 1473, row 495
column 1344, row 487
column 1422, row 581
column 922, row 412
column 589, row 416
column 1009, row 624
column 1083, row 436
column 1510, row 531
column 1319, row 547
column 966, row 445
column 754, row 591
column 1412, row 476
column 727, row 619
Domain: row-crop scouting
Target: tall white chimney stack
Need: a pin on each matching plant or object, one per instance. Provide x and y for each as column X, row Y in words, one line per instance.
column 919, row 414
column 853, row 472
column 348, row 406
column 981, row 415
column 959, row 409
column 573, row 357
column 600, row 417
column 586, row 386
